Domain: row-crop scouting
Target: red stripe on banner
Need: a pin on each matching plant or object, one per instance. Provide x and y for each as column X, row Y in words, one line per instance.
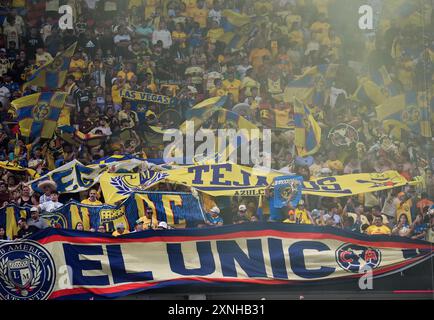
column 413, row 291
column 140, row 285
column 244, row 234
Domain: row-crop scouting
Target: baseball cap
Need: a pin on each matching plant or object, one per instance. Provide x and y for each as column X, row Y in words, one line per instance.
column 120, row 226
column 34, row 209
column 3, row 50
column 162, row 224
column 242, row 207
column 215, row 210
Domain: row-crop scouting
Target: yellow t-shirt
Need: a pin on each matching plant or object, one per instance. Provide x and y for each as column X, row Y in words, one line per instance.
column 404, row 209
column 215, row 34
column 249, row 83
column 302, row 216
column 18, row 3
column 200, row 16
column 378, row 230
column 319, row 30
column 150, row 8
column 91, row 203
column 122, row 74
column 81, row 64
column 218, row 92
column 282, row 118
column 189, row 6
column 257, row 55
column 233, row 87
column 43, row 59
column 181, row 36
column 116, row 95
column 134, row 3
column 297, row 37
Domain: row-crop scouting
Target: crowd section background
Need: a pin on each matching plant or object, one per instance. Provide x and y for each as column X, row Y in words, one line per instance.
column 252, row 52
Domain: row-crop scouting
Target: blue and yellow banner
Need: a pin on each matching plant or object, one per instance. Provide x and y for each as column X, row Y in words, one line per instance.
column 13, row 166
column 76, row 177
column 370, row 93
column 307, row 131
column 409, row 111
column 38, row 113
column 177, row 209
column 311, row 85
column 52, row 75
column 68, row 264
column 229, row 179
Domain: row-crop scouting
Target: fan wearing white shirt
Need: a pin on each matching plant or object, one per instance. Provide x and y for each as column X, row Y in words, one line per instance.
column 52, row 205
column 162, row 34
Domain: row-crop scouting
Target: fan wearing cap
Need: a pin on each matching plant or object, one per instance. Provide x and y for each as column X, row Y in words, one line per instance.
column 302, row 215
column 241, row 216
column 290, row 217
column 138, row 226
column 35, row 219
column 162, row 225
column 47, row 186
column 120, row 230
column 213, row 217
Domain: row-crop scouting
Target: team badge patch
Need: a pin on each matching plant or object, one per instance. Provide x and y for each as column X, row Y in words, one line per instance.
column 26, row 271
column 353, row 258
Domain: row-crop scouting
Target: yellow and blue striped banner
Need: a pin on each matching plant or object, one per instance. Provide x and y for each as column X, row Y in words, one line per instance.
column 38, row 113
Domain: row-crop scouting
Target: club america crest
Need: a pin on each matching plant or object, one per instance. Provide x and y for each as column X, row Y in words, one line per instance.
column 26, row 271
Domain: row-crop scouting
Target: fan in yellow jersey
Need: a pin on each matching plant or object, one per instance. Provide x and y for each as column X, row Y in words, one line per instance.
column 232, row 85
column 92, row 200
column 120, row 230
column 378, row 227
column 299, row 215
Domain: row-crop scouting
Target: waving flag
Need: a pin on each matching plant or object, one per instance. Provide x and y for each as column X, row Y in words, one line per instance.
column 307, row 130
column 234, row 120
column 311, row 85
column 382, row 78
column 369, row 92
column 408, row 111
column 408, row 13
column 52, row 75
column 38, row 113
column 199, row 114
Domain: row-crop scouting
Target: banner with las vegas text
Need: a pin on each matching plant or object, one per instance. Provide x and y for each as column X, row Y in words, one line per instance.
column 68, row 264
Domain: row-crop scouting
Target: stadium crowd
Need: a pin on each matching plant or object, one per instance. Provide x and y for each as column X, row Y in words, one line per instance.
column 177, row 48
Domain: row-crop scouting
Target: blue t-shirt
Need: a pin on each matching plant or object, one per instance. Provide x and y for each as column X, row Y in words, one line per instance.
column 214, row 220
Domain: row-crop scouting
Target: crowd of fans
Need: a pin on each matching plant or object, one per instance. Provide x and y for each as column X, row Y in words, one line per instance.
column 176, row 48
